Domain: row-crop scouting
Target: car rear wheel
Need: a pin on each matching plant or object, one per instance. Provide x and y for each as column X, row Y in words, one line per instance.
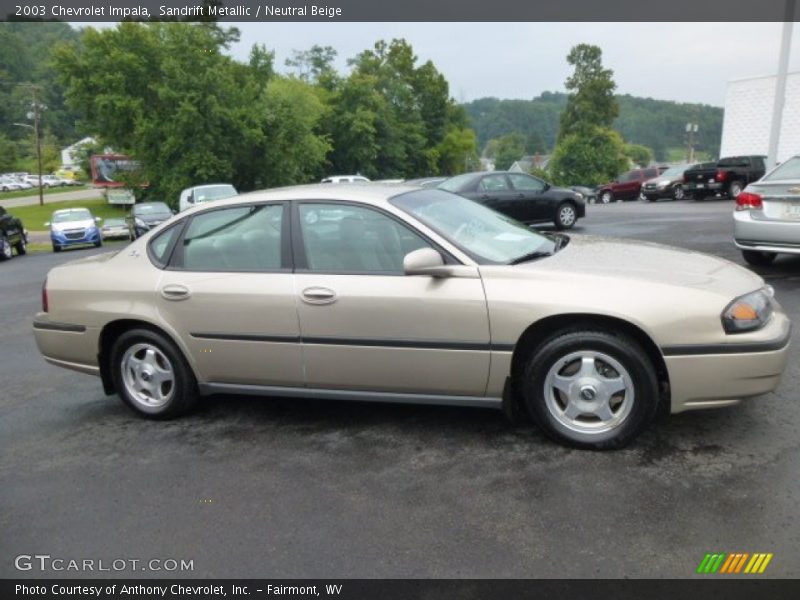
column 606, row 197
column 5, row 249
column 677, row 192
column 734, row 189
column 151, row 375
column 758, row 258
column 591, row 389
column 566, row 215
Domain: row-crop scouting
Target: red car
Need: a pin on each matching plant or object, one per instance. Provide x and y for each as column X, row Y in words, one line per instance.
column 628, row 186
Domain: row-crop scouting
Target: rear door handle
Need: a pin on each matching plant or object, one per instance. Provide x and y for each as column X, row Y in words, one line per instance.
column 318, row 295
column 175, row 291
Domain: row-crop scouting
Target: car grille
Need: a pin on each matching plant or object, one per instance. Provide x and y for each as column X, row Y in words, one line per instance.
column 649, row 186
column 75, row 234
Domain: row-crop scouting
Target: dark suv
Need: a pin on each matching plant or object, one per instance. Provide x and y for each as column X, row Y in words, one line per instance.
column 628, row 186
column 12, row 235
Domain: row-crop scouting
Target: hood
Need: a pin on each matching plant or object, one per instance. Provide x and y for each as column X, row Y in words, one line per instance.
column 650, row 263
column 65, row 225
column 154, row 217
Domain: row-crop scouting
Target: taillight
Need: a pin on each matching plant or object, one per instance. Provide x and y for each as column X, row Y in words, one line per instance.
column 748, row 201
column 44, row 296
column 721, row 175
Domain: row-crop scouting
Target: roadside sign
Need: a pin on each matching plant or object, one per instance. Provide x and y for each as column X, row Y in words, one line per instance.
column 120, row 196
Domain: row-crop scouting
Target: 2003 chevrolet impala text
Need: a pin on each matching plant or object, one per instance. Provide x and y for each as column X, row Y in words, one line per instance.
column 398, row 294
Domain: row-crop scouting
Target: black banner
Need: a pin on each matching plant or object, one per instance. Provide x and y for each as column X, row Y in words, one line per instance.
column 405, row 11
column 733, row 588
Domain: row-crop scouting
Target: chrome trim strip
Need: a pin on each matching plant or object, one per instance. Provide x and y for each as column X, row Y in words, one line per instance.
column 350, row 395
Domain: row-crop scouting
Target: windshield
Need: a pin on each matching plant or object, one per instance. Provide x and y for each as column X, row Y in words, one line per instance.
column 214, row 192
column 152, row 208
column 485, row 235
column 114, row 223
column 673, row 172
column 455, row 183
column 75, row 214
column 790, row 170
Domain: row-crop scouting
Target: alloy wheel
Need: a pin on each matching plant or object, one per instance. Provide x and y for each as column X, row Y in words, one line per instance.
column 148, row 375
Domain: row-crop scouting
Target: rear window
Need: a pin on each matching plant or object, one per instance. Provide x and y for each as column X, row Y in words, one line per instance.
column 790, row 170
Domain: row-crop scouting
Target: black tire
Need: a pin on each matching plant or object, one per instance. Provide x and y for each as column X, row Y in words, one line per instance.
column 641, row 387
column 98, row 244
column 21, row 247
column 606, row 197
column 566, row 215
column 758, row 258
column 699, row 197
column 734, row 189
column 6, row 251
column 677, row 192
column 56, row 248
column 182, row 390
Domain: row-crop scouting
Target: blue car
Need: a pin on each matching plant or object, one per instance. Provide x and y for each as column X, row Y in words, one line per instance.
column 74, row 227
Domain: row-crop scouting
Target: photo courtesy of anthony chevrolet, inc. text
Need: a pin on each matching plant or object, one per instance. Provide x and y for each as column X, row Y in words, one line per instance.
column 414, row 300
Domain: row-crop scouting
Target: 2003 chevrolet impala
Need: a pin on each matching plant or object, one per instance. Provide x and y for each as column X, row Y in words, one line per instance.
column 396, row 294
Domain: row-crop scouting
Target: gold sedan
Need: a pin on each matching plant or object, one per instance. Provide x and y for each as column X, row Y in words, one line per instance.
column 399, row 294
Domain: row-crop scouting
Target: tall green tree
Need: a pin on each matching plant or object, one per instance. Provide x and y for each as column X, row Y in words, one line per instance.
column 592, row 157
column 509, row 149
column 591, row 101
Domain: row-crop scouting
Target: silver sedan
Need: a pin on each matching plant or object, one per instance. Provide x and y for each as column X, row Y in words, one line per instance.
column 767, row 216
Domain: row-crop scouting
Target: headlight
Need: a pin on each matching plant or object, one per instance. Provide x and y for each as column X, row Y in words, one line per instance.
column 578, row 195
column 140, row 223
column 748, row 312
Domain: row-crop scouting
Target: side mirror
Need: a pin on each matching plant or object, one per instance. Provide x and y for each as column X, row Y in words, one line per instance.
column 425, row 261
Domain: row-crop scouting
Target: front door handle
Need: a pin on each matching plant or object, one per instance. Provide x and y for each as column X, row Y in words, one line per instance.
column 175, row 291
column 318, row 295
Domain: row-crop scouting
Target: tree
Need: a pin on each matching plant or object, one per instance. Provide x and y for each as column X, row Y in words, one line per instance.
column 457, row 151
column 510, row 148
column 315, row 65
column 591, row 101
column 592, row 157
column 639, row 155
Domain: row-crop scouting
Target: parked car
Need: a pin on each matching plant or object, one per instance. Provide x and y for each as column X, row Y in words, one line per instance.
column 74, row 227
column 766, row 221
column 49, row 181
column 520, row 196
column 401, row 294
column 729, row 176
column 116, row 229
column 9, row 185
column 589, row 193
column 205, row 193
column 628, row 186
column 12, row 235
column 147, row 215
column 345, row 179
column 669, row 184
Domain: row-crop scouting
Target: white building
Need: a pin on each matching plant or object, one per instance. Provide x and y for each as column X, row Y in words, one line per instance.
column 748, row 117
column 69, row 155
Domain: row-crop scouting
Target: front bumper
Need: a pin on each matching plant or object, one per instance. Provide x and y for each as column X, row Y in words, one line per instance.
column 90, row 236
column 728, row 373
column 753, row 232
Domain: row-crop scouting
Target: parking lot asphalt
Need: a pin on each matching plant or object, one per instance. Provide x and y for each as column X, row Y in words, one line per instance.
column 298, row 488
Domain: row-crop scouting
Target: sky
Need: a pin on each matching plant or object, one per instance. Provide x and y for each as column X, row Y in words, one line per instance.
column 685, row 62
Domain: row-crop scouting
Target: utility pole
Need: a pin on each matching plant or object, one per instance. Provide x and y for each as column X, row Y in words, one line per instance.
column 780, row 85
column 36, row 118
column 691, row 129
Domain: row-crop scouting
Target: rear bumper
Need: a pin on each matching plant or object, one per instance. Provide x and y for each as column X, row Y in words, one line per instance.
column 728, row 373
column 67, row 345
column 753, row 233
column 694, row 188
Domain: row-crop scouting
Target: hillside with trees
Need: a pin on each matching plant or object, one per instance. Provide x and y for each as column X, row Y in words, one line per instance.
column 657, row 124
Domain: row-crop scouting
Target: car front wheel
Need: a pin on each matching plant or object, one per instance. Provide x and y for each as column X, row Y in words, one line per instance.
column 606, row 197
column 591, row 389
column 677, row 192
column 566, row 215
column 21, row 247
column 151, row 375
column 5, row 249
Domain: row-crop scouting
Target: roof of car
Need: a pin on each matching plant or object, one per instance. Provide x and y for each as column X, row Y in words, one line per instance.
column 372, row 193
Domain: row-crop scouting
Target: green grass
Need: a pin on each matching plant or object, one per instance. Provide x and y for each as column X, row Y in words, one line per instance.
column 34, row 217
column 42, row 248
column 34, row 191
